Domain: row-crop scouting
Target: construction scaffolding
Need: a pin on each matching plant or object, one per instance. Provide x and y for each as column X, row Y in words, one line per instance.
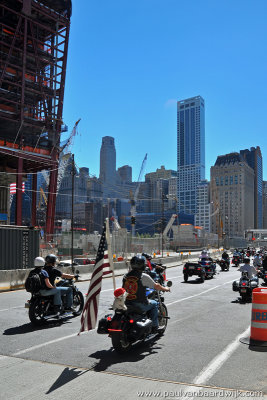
column 33, row 56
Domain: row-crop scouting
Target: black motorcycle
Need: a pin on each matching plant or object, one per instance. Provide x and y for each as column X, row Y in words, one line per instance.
column 127, row 327
column 224, row 264
column 209, row 266
column 236, row 261
column 41, row 308
column 245, row 286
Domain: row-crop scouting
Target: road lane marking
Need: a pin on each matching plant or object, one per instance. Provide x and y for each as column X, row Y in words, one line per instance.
column 11, row 308
column 219, row 360
column 38, row 346
column 210, row 370
column 196, row 295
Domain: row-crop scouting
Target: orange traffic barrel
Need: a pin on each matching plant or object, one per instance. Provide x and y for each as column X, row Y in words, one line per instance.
column 259, row 315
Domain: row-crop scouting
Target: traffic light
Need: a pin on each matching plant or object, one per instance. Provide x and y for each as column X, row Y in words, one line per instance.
column 132, row 220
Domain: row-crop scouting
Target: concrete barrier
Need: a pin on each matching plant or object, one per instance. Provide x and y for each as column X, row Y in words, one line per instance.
column 14, row 279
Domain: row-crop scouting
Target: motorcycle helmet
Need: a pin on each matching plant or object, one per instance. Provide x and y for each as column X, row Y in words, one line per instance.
column 39, row 262
column 50, row 259
column 147, row 256
column 246, row 260
column 138, row 262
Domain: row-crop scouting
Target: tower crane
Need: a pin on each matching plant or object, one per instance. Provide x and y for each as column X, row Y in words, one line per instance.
column 134, row 197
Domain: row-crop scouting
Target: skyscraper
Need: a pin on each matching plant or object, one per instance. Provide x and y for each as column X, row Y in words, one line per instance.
column 190, row 151
column 254, row 159
column 108, row 166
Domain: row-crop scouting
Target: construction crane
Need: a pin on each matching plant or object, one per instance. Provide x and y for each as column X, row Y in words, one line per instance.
column 134, row 197
column 64, row 157
column 42, row 197
column 169, row 225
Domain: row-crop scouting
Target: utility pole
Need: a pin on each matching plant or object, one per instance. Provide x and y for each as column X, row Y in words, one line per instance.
column 162, row 221
column 72, row 210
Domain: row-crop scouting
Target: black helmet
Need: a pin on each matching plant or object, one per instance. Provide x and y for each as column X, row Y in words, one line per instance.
column 50, row 259
column 138, row 262
column 147, row 256
column 246, row 260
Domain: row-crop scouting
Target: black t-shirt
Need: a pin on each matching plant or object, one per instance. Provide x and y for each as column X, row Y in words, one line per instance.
column 53, row 273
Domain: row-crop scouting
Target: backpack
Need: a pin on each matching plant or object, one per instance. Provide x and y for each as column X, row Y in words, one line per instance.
column 34, row 282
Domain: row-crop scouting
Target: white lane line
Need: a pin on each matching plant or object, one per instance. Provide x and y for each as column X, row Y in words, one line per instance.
column 11, row 308
column 196, row 295
column 210, row 370
column 38, row 346
column 219, row 360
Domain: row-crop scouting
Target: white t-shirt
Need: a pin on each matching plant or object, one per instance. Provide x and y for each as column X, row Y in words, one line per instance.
column 249, row 269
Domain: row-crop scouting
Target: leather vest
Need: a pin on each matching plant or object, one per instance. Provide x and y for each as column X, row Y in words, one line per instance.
column 133, row 285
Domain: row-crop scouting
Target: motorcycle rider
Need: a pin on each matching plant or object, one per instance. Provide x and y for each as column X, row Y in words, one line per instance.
column 246, row 267
column 50, row 274
column 257, row 262
column 135, row 283
column 225, row 257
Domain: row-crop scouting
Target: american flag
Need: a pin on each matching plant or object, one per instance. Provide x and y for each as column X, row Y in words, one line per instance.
column 13, row 188
column 102, row 267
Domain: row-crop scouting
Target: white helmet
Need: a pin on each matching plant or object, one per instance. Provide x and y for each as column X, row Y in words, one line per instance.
column 39, row 262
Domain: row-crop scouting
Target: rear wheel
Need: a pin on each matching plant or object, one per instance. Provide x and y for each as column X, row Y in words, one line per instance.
column 185, row 277
column 78, row 303
column 37, row 312
column 120, row 343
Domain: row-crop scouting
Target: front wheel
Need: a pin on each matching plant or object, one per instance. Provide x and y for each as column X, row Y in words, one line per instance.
column 37, row 313
column 120, row 343
column 78, row 303
column 162, row 317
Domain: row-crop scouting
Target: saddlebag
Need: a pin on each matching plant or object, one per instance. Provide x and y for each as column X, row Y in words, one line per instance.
column 104, row 324
column 235, row 286
column 143, row 327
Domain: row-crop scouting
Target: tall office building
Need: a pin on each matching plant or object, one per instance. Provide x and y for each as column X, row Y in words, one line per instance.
column 190, row 151
column 108, row 160
column 254, row 159
column 202, row 217
column 232, row 195
column 264, row 226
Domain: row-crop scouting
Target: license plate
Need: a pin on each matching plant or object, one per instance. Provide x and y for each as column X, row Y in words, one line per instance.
column 27, row 305
column 243, row 290
column 191, row 267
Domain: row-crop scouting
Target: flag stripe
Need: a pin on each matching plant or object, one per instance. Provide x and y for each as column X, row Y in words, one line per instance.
column 102, row 267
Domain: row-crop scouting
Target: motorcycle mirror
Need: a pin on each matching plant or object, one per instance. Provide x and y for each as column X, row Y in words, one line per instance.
column 169, row 283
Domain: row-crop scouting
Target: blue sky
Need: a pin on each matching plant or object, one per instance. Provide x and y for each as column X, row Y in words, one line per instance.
column 130, row 61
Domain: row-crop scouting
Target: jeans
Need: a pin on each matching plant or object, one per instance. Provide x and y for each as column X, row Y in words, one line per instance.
column 58, row 292
column 152, row 307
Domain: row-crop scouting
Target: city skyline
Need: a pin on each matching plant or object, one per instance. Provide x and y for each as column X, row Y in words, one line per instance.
column 125, row 80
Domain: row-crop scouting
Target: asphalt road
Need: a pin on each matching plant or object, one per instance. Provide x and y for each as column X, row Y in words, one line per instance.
column 199, row 352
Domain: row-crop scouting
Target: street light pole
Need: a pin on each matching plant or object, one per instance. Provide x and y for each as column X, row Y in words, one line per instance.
column 162, row 222
column 72, row 210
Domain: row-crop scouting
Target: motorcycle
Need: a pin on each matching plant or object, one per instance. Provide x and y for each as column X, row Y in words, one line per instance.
column 236, row 261
column 245, row 286
column 210, row 267
column 263, row 275
column 127, row 327
column 41, row 308
column 224, row 264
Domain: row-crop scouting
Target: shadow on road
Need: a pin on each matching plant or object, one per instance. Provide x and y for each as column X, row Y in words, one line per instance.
column 66, row 376
column 194, row 282
column 27, row 328
column 110, row 357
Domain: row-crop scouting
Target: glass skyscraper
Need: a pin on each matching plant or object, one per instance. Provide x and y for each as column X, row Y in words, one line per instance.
column 190, row 151
column 254, row 159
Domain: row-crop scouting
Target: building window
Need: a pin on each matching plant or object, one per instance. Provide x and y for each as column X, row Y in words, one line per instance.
column 221, row 180
column 231, row 180
column 236, row 179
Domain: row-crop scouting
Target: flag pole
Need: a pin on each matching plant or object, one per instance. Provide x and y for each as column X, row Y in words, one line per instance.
column 110, row 256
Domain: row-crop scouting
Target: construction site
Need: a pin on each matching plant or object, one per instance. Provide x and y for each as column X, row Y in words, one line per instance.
column 33, row 58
